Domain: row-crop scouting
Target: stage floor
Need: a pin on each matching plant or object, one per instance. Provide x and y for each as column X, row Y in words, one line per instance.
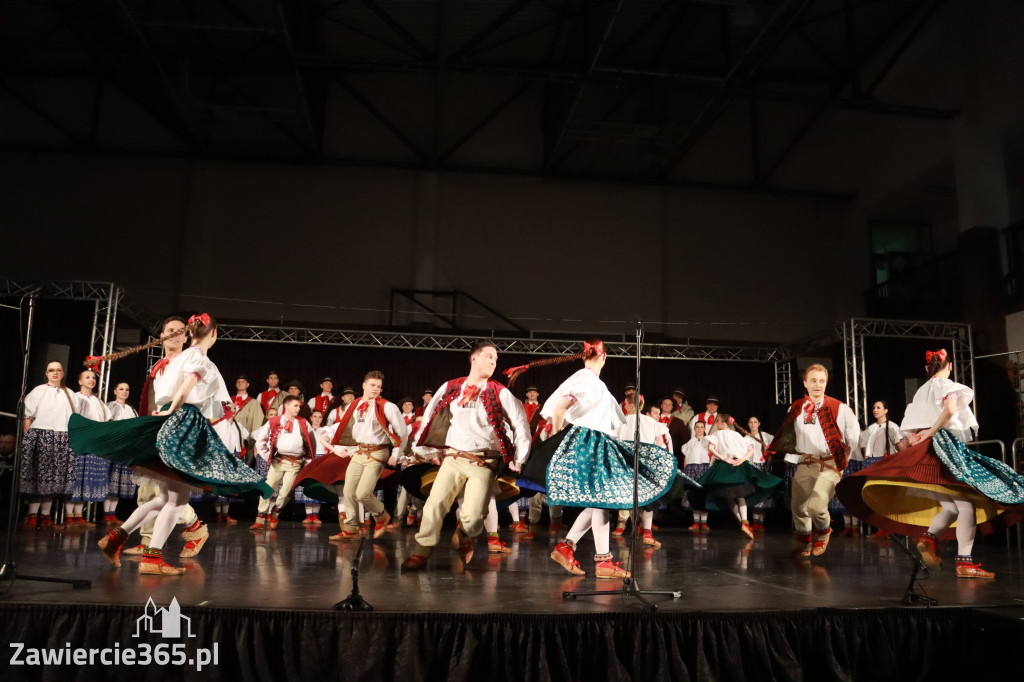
column 296, row 568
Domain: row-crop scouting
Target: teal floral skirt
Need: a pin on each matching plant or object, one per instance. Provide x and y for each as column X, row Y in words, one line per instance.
column 181, row 446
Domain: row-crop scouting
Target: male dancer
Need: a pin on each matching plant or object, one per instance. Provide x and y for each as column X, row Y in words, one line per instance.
column 369, row 429
column 247, row 411
column 267, row 397
column 427, row 396
column 709, row 416
column 196, row 532
column 531, row 404
column 322, row 401
column 824, row 429
column 284, row 445
column 465, row 423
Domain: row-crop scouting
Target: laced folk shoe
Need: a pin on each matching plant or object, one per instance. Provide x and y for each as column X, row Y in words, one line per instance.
column 260, row 523
column 496, row 546
column 929, row 550
column 802, row 545
column 820, row 543
column 153, row 564
column 606, row 569
column 649, row 541
column 135, row 551
column 380, row 527
column 111, row 544
column 195, row 536
column 967, row 568
column 745, row 528
column 564, row 556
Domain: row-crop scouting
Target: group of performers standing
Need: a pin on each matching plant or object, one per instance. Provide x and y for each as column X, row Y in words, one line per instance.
column 474, row 439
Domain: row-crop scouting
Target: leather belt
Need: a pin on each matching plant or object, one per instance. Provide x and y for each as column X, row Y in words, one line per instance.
column 291, row 459
column 482, row 458
column 824, row 461
column 368, row 448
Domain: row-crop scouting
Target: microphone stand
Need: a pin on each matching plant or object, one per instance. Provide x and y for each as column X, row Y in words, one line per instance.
column 9, row 569
column 630, row 586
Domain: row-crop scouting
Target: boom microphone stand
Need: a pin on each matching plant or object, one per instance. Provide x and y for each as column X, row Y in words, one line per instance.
column 630, row 586
column 8, row 570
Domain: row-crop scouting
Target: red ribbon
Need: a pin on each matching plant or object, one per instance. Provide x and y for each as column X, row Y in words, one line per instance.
column 469, row 395
column 808, row 411
column 732, row 420
column 598, row 348
column 361, row 410
column 287, row 426
column 93, row 362
column 204, row 318
column 514, row 370
column 940, row 354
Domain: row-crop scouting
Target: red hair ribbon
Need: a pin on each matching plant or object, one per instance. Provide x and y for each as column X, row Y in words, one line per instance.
column 940, row 354
column 598, row 348
column 204, row 318
column 732, row 421
column 516, row 370
column 93, row 362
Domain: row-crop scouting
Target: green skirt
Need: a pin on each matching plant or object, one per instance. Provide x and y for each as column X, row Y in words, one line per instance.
column 181, row 446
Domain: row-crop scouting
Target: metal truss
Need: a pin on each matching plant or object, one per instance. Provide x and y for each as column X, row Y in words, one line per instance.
column 784, row 382
column 107, row 298
column 446, row 342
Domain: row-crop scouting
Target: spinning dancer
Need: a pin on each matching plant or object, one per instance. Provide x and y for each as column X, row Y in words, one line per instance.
column 586, row 466
column 937, row 483
column 176, row 449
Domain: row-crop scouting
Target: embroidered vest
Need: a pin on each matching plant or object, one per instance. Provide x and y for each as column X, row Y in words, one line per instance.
column 144, row 407
column 828, row 417
column 343, row 436
column 275, row 431
column 434, row 432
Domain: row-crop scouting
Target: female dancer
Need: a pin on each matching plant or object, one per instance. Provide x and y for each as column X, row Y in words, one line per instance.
column 696, row 460
column 176, row 448
column 760, row 441
column 878, row 441
column 120, row 483
column 937, row 483
column 585, row 465
column 732, row 487
column 48, row 465
column 92, row 474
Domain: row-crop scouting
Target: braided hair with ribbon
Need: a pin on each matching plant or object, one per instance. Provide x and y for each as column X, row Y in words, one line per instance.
column 935, row 361
column 198, row 327
column 591, row 348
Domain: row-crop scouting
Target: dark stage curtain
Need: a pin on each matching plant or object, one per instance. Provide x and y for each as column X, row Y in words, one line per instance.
column 823, row 644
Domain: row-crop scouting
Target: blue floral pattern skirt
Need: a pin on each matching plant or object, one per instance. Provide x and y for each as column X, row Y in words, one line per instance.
column 48, row 465
column 91, row 479
column 591, row 469
column 182, row 446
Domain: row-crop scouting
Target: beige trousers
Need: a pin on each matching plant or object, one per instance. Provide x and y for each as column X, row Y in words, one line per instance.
column 281, row 473
column 360, row 481
column 812, row 489
column 456, row 474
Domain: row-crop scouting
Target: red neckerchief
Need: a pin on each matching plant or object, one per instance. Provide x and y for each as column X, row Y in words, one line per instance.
column 240, row 401
column 833, row 436
column 322, row 402
column 378, row 408
column 276, row 428
column 267, row 397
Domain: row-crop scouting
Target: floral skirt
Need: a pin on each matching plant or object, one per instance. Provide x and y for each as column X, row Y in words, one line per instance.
column 835, row 506
column 91, row 479
column 586, row 468
column 694, row 471
column 722, row 483
column 120, row 482
column 179, row 447
column 48, row 465
column 901, row 493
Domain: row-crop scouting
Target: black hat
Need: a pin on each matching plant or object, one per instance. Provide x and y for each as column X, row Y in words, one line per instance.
column 679, row 391
column 273, row 371
column 347, row 389
column 712, row 399
column 406, row 399
column 531, row 387
column 629, row 387
column 296, row 384
column 327, row 379
column 426, row 391
column 243, row 376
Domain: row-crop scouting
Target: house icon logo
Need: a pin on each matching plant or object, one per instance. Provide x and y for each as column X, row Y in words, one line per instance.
column 167, row 622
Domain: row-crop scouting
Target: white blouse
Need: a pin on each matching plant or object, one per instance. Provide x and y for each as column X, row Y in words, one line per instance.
column 650, row 429
column 119, row 411
column 728, row 443
column 593, row 406
column 208, row 393
column 695, row 452
column 758, row 456
column 91, row 407
column 872, row 440
column 50, row 408
column 924, row 410
column 232, row 434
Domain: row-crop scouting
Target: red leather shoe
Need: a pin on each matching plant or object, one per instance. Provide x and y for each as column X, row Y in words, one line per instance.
column 564, row 556
column 111, row 544
column 415, row 563
column 496, row 546
column 820, row 543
